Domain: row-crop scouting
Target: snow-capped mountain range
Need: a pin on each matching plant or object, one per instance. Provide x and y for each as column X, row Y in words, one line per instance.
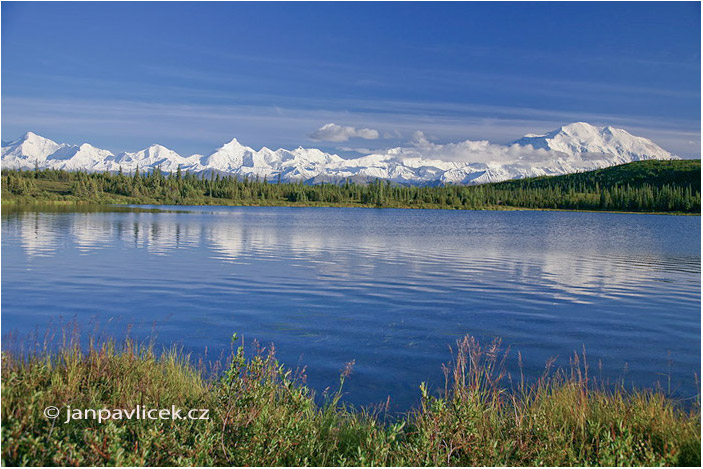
column 571, row 148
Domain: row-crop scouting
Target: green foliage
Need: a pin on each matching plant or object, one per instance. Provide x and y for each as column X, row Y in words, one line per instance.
column 644, row 186
column 260, row 414
column 647, row 186
column 653, row 173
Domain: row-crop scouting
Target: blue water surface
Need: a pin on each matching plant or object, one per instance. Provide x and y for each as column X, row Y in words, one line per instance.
column 390, row 289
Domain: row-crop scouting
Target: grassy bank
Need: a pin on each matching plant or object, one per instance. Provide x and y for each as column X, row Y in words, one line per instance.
column 260, row 414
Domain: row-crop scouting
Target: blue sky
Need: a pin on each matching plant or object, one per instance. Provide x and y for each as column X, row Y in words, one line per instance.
column 191, row 76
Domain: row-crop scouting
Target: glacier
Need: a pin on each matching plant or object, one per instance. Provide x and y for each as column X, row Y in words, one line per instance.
column 571, row 148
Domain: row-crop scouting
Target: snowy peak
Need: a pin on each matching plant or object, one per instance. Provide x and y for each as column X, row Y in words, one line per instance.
column 31, row 148
column 583, row 139
column 30, row 137
column 75, row 157
column 229, row 157
column 582, row 130
column 578, row 146
column 159, row 153
column 155, row 155
column 313, row 155
column 233, row 147
column 234, row 143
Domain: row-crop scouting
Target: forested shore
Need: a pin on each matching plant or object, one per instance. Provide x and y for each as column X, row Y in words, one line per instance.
column 647, row 186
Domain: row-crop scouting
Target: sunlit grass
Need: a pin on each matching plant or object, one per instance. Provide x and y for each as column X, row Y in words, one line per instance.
column 262, row 414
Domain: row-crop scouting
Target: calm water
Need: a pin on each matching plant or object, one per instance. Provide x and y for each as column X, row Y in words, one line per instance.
column 391, row 289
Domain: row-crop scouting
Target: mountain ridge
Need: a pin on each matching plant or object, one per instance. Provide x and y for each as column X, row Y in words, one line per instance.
column 571, row 148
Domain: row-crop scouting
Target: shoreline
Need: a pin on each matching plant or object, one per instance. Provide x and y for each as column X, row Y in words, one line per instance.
column 650, row 187
column 497, row 208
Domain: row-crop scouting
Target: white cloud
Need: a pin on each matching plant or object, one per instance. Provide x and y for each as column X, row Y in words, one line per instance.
column 393, row 134
column 419, row 140
column 194, row 128
column 363, row 151
column 471, row 151
column 341, row 133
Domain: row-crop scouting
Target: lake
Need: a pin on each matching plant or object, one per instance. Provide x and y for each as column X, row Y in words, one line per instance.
column 390, row 289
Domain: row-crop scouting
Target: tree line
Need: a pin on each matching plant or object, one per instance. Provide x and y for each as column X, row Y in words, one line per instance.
column 621, row 188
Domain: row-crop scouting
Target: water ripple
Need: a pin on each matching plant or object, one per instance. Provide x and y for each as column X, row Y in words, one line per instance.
column 389, row 288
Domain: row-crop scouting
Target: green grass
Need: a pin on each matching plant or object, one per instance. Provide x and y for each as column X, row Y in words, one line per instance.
column 262, row 415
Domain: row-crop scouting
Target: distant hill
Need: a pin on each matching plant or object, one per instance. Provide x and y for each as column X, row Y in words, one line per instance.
column 642, row 186
column 655, row 173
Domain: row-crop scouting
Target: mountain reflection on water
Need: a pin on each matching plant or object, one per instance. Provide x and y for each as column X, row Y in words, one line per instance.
column 389, row 288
